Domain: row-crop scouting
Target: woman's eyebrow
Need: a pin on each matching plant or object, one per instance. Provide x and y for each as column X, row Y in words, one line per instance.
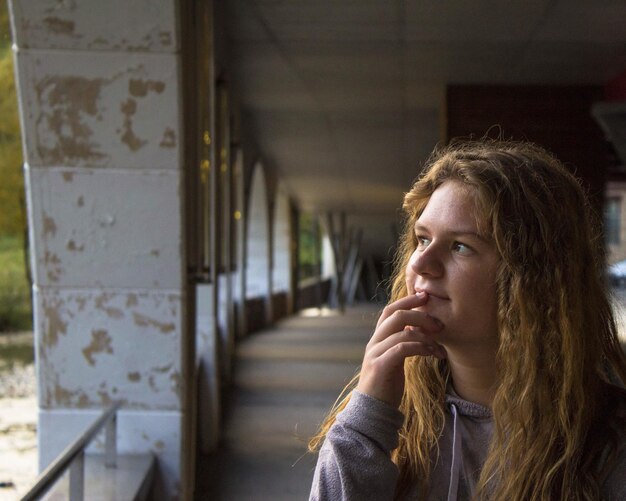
column 456, row 232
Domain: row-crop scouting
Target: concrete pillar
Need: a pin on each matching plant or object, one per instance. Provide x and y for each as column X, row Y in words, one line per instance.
column 258, row 270
column 281, row 247
column 225, row 313
column 100, row 104
column 239, row 216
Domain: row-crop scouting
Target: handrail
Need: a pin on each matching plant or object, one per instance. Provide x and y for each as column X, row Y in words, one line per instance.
column 75, row 452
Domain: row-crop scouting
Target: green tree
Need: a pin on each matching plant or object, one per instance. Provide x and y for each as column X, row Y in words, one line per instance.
column 309, row 248
column 14, row 287
column 12, row 218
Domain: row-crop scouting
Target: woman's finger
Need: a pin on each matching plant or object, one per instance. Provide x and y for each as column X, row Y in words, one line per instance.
column 399, row 319
column 406, row 303
column 407, row 335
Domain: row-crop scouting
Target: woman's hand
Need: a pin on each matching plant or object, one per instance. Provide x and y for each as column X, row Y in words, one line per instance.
column 401, row 332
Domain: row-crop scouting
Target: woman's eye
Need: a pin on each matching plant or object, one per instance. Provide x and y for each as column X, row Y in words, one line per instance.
column 422, row 242
column 461, row 248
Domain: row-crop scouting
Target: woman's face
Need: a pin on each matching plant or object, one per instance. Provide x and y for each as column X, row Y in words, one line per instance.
column 456, row 267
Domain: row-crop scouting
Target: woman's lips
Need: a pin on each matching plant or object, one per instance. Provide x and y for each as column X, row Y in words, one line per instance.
column 433, row 294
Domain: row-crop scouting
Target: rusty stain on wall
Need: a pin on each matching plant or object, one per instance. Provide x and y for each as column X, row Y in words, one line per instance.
column 145, row 321
column 169, row 139
column 81, row 302
column 163, row 369
column 64, row 101
column 49, row 226
column 100, row 343
column 129, row 108
column 110, row 311
column 176, row 382
column 68, row 176
column 80, row 202
column 165, row 37
column 101, row 300
column 131, row 300
column 59, row 26
column 83, row 401
column 105, row 398
column 114, row 312
column 71, row 246
column 52, row 264
column 55, row 324
column 134, row 377
column 63, row 397
column 139, row 88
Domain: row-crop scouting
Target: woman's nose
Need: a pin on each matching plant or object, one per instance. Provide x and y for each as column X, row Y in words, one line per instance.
column 427, row 262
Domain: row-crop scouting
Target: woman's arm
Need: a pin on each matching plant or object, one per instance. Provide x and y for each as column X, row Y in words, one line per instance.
column 355, row 461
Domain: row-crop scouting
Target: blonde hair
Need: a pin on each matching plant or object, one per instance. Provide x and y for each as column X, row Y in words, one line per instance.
column 557, row 334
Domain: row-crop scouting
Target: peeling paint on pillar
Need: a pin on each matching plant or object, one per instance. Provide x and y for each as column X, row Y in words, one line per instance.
column 129, row 107
column 49, row 226
column 72, row 119
column 59, row 26
column 100, row 343
column 93, row 344
column 169, row 138
column 140, row 88
column 145, row 321
column 102, row 25
column 89, row 228
column 65, row 103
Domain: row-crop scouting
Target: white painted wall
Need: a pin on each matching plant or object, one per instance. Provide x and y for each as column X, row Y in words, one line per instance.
column 258, row 238
column 328, row 257
column 281, row 243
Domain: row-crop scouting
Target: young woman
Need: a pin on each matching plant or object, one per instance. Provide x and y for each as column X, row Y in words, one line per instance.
column 495, row 371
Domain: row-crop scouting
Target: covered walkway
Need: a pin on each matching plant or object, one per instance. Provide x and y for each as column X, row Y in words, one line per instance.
column 286, row 379
column 198, row 171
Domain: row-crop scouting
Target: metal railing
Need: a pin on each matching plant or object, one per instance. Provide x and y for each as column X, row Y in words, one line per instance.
column 73, row 457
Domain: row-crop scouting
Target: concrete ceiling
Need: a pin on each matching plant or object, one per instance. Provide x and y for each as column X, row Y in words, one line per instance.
column 344, row 98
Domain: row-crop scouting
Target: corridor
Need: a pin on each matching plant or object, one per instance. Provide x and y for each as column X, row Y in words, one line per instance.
column 286, row 380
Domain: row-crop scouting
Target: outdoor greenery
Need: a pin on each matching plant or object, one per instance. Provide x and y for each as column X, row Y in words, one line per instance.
column 15, row 309
column 309, row 246
column 15, row 349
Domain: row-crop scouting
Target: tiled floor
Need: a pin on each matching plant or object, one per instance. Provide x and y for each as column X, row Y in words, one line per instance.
column 286, row 380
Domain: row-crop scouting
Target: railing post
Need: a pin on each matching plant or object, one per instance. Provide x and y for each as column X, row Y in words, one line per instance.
column 77, row 477
column 73, row 458
column 110, row 442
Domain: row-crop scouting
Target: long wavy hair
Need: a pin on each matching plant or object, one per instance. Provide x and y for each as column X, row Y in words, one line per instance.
column 558, row 346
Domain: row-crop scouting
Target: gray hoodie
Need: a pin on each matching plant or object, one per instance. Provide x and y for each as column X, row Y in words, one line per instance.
column 355, row 460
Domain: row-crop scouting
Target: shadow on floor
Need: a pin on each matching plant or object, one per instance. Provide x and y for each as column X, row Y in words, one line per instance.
column 286, row 379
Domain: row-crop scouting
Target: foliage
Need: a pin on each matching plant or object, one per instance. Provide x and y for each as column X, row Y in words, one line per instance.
column 5, row 35
column 309, row 246
column 15, row 350
column 12, row 218
column 15, row 301
column 15, row 304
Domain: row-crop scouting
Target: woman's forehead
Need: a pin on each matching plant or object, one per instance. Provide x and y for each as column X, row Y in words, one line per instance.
column 452, row 202
column 459, row 204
